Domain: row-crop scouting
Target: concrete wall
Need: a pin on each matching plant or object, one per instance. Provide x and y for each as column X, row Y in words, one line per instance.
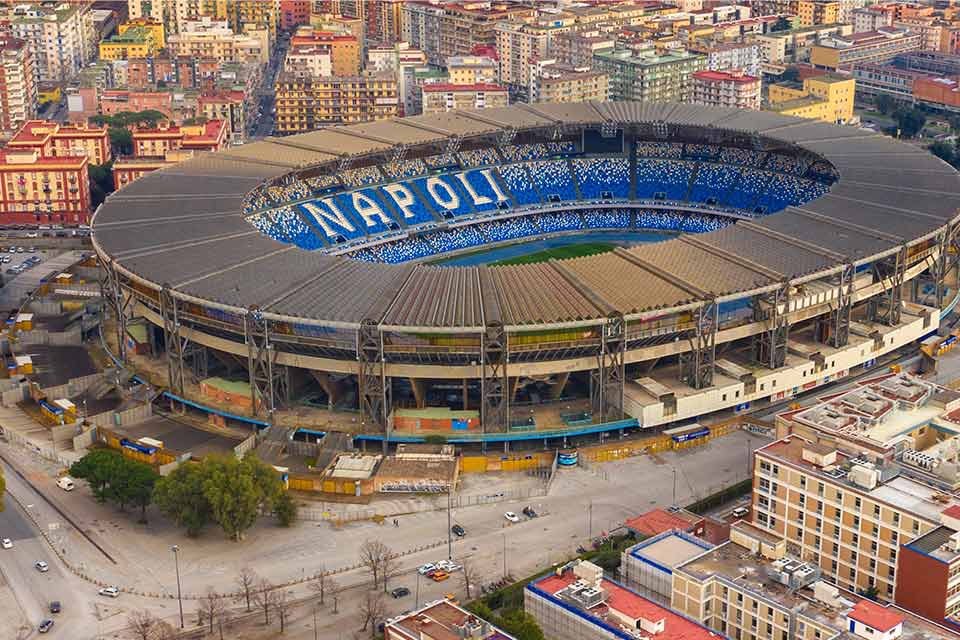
column 84, row 440
column 74, row 387
column 42, row 336
column 786, row 381
column 19, row 393
column 129, row 416
column 245, row 446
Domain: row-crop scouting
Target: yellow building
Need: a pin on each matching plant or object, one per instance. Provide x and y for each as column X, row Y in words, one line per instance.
column 827, row 97
column 243, row 14
column 305, row 104
column 138, row 38
column 814, row 12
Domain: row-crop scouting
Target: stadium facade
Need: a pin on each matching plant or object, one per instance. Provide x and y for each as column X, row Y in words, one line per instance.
column 806, row 250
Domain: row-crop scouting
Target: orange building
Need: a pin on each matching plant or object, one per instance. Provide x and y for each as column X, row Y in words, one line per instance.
column 941, row 92
column 54, row 140
column 37, row 189
column 117, row 100
column 344, row 49
column 166, row 146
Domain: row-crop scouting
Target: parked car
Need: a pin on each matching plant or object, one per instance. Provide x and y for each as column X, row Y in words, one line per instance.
column 6, row 543
column 511, row 516
column 110, row 592
column 55, row 607
column 45, row 626
column 529, row 512
column 740, row 512
column 458, row 531
column 438, row 575
column 425, row 569
column 41, row 566
column 400, row 592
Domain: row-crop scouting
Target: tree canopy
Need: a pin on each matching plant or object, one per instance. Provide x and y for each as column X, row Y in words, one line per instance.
column 117, row 478
column 224, row 490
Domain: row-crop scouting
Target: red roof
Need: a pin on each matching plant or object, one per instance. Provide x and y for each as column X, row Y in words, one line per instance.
column 873, row 615
column 724, row 75
column 657, row 521
column 953, row 511
column 481, row 86
column 633, row 605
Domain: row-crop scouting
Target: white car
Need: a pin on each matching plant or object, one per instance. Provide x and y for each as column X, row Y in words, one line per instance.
column 41, row 566
column 110, row 592
column 448, row 566
column 6, row 543
column 511, row 516
column 425, row 569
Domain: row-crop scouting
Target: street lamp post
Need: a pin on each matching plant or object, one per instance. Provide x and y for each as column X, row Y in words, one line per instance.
column 176, row 562
column 674, row 486
column 449, row 526
column 504, row 555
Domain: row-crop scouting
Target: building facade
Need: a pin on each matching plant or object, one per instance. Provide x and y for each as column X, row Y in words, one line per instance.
column 648, row 75
column 18, row 88
column 60, row 36
column 843, row 52
column 304, row 104
column 726, row 89
column 206, row 38
column 35, row 189
column 551, row 81
column 828, row 98
column 53, row 140
column 438, row 98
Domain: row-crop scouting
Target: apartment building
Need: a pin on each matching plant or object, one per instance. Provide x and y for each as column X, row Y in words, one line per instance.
column 576, row 602
column 139, row 38
column 730, row 56
column 60, row 36
column 403, row 62
column 472, row 70
column 749, row 587
column 726, row 89
column 305, row 104
column 457, row 28
column 173, row 14
column 827, row 97
column 382, row 20
column 18, row 88
column 341, row 50
column 793, row 45
column 441, row 97
column 860, row 475
column 886, row 79
column 518, row 45
column 882, row 45
column 35, row 189
column 552, row 81
column 576, row 48
column 242, row 15
column 441, row 619
column 207, row 38
column 165, row 146
column 233, row 107
column 814, row 12
column 649, row 75
column 52, row 140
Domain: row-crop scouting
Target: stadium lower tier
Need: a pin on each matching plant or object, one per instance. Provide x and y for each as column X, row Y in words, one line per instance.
column 373, row 212
column 520, row 227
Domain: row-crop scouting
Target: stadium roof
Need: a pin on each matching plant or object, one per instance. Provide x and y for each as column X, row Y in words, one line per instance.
column 183, row 227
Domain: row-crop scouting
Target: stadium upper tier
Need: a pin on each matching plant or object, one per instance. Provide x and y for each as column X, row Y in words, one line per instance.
column 248, row 227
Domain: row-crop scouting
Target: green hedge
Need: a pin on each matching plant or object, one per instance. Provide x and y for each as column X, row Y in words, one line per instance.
column 724, row 495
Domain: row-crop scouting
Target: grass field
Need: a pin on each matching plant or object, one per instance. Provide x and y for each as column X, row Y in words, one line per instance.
column 560, row 253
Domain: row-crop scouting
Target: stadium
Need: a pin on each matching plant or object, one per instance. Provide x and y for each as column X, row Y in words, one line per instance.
column 772, row 256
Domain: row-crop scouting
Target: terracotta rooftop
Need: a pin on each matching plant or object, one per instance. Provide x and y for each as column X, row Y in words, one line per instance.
column 873, row 615
column 656, row 522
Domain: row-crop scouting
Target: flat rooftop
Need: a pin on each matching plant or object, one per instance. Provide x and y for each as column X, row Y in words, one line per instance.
column 180, row 436
column 669, row 549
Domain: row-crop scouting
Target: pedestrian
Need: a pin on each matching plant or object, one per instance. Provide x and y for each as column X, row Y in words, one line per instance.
column 396, row 523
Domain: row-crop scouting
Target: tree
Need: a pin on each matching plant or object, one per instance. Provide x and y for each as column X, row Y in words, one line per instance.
column 910, row 122
column 211, row 607
column 282, row 603
column 334, row 588
column 946, row 151
column 372, row 608
column 884, row 104
column 233, row 496
column 782, row 24
column 97, row 468
column 389, row 567
column 141, row 480
column 224, row 622
column 372, row 555
column 143, row 624
column 246, row 580
column 521, row 625
column 181, row 497
column 468, row 575
column 790, row 74
column 263, row 598
column 285, row 509
column 121, row 140
column 101, row 181
column 319, row 586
